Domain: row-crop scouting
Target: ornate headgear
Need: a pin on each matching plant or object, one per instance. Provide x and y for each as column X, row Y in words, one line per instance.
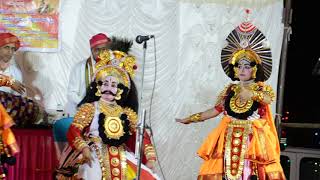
column 117, row 64
column 99, row 39
column 247, row 42
column 6, row 38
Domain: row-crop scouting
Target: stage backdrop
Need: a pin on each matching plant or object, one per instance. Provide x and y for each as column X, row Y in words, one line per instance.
column 35, row 22
column 189, row 39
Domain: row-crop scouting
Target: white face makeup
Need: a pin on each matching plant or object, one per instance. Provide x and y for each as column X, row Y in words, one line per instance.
column 109, row 88
column 245, row 70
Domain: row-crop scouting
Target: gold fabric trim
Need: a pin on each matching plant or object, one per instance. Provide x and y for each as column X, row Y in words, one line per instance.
column 103, row 156
column 210, row 177
column 236, row 104
column 133, row 118
column 112, row 123
column 123, row 160
column 116, row 166
column 79, row 143
column 267, row 89
column 245, row 54
column 84, row 116
column 276, row 175
column 263, row 144
column 236, row 139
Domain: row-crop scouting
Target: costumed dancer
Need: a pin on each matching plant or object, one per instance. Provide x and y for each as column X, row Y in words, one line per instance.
column 245, row 143
column 102, row 134
column 8, row 144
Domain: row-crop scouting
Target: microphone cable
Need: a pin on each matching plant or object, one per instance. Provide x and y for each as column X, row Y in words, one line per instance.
column 150, row 106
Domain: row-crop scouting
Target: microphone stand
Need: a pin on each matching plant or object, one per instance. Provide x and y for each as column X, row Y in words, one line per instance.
column 141, row 124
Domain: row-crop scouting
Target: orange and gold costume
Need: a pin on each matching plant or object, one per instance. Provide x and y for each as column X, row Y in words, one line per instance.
column 226, row 147
column 8, row 144
column 7, row 141
column 245, row 144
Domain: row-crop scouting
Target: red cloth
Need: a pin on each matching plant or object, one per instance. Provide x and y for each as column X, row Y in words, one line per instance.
column 37, row 158
column 6, row 38
column 99, row 39
column 131, row 144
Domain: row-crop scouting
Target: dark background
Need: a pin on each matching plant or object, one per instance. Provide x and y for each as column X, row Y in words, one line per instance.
column 302, row 93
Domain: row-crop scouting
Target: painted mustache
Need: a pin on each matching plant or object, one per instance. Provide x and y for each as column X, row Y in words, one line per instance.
column 108, row 92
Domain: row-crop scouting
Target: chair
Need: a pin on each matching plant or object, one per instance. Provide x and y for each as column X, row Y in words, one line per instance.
column 60, row 129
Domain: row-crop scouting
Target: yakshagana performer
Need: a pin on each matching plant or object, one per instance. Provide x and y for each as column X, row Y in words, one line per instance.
column 245, row 143
column 8, row 145
column 102, row 135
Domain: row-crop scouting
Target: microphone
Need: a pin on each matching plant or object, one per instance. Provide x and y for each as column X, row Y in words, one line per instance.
column 140, row 39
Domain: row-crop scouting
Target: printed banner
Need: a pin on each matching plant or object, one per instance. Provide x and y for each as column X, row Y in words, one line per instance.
column 35, row 22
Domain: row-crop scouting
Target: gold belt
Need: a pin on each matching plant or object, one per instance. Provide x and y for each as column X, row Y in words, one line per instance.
column 240, row 123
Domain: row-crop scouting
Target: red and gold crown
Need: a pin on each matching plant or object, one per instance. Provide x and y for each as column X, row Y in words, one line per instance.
column 117, row 64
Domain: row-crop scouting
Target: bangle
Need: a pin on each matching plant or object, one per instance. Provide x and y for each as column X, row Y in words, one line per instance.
column 258, row 96
column 6, row 81
column 195, row 117
column 11, row 82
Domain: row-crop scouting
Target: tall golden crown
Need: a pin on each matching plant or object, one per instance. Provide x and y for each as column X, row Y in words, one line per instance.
column 117, row 64
column 119, row 59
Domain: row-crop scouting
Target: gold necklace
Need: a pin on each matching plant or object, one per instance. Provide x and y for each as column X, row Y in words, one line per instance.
column 237, row 104
column 112, row 123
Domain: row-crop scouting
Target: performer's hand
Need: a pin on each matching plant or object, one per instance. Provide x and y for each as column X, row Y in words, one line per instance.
column 86, row 153
column 183, row 121
column 245, row 94
column 150, row 164
column 18, row 86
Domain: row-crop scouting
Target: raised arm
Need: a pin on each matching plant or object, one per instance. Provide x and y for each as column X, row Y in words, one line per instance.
column 210, row 113
column 201, row 116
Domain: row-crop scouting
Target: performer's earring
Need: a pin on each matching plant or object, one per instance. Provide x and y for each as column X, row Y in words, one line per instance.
column 118, row 95
column 98, row 93
column 236, row 72
column 254, row 72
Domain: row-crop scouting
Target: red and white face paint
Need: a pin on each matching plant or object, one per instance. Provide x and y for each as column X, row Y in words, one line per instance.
column 109, row 88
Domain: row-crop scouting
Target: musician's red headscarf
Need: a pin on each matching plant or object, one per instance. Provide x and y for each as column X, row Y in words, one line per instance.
column 6, row 38
column 99, row 39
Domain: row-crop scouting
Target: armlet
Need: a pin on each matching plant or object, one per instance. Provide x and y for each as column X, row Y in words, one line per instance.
column 133, row 118
column 84, row 116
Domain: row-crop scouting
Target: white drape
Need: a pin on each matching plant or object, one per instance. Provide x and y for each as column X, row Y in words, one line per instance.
column 189, row 39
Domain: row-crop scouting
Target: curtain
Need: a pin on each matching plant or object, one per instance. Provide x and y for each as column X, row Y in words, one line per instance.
column 37, row 158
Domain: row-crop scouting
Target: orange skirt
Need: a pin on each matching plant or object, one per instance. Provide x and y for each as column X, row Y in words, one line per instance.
column 7, row 136
column 263, row 150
